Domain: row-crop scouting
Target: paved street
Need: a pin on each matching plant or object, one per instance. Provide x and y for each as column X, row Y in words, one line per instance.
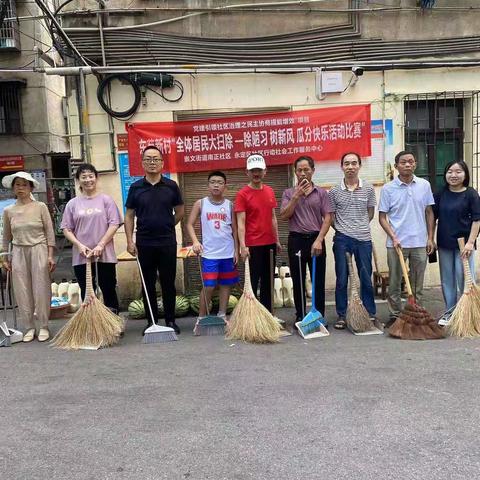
column 343, row 407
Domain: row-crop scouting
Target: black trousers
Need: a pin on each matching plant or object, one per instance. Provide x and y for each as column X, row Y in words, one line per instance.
column 303, row 242
column 107, row 281
column 260, row 272
column 161, row 260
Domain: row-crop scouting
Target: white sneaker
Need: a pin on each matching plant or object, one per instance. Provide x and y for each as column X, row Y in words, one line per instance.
column 43, row 335
column 29, row 335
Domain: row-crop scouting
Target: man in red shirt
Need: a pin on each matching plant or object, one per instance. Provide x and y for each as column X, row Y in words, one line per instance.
column 257, row 227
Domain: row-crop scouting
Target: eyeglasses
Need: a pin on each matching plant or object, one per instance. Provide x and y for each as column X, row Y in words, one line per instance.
column 216, row 182
column 152, row 160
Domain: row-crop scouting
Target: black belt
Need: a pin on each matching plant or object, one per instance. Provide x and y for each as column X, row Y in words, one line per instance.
column 304, row 235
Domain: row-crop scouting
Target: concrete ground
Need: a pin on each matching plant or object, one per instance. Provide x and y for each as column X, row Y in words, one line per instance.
column 342, row 407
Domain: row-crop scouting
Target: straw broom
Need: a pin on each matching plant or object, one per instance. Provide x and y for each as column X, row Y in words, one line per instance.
column 414, row 323
column 93, row 326
column 250, row 320
column 465, row 319
column 358, row 319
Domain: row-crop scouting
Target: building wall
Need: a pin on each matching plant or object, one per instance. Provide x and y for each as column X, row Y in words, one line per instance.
column 384, row 91
column 41, row 99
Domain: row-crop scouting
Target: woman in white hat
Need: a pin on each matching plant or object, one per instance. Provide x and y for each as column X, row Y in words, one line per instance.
column 28, row 225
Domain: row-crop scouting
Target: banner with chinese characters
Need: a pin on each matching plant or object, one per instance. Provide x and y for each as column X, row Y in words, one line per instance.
column 224, row 143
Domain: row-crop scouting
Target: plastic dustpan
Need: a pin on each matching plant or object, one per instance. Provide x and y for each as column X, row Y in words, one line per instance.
column 321, row 332
column 313, row 325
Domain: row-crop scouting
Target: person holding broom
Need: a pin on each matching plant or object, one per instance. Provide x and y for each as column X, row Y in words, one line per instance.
column 353, row 202
column 89, row 222
column 457, row 209
column 28, row 225
column 156, row 202
column 257, row 227
column 309, row 212
column 406, row 215
column 219, row 246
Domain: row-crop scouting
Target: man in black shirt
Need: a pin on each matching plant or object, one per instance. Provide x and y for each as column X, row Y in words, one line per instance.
column 157, row 203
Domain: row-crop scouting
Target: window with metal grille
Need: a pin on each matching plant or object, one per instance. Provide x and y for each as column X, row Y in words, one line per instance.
column 9, row 34
column 438, row 129
column 10, row 111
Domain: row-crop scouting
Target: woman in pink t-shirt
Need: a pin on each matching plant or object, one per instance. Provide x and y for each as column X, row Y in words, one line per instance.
column 90, row 221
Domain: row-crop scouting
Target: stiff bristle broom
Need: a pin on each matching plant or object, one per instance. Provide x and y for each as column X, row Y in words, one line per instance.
column 414, row 323
column 93, row 326
column 313, row 325
column 465, row 319
column 358, row 319
column 155, row 333
column 211, row 324
column 250, row 321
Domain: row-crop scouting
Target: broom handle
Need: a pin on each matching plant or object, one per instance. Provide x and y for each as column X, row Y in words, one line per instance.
column 146, row 291
column 247, row 287
column 314, row 271
column 207, row 309
column 89, row 284
column 353, row 277
column 404, row 271
column 466, row 267
column 302, row 280
column 272, row 309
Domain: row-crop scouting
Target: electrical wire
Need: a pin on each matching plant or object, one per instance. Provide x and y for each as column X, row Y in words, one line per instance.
column 104, row 85
column 170, row 100
column 118, row 114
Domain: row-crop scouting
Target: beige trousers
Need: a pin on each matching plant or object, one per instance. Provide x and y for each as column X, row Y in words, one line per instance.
column 417, row 262
column 31, row 284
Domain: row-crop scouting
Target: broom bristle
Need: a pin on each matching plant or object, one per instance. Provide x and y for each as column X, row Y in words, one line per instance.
column 357, row 317
column 465, row 319
column 415, row 323
column 92, row 326
column 252, row 322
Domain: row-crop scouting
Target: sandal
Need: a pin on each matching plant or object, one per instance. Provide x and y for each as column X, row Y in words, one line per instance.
column 43, row 335
column 340, row 324
column 29, row 335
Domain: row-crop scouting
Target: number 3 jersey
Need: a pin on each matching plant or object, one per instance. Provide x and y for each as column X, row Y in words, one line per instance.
column 217, row 234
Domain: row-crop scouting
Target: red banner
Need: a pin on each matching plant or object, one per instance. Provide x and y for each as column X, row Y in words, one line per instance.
column 225, row 143
column 11, row 163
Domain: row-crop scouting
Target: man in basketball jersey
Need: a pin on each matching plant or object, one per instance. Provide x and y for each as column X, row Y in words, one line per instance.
column 219, row 246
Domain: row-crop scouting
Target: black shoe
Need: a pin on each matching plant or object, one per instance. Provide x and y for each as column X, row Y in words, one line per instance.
column 174, row 326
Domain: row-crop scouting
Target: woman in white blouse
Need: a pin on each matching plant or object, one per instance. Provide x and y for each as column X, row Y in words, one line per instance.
column 28, row 225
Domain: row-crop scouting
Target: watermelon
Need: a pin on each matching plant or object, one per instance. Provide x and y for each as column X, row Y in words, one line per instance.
column 182, row 306
column 232, row 303
column 195, row 304
column 136, row 309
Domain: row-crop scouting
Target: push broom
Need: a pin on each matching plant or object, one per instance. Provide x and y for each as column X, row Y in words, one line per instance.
column 358, row 319
column 465, row 319
column 281, row 322
column 414, row 323
column 93, row 326
column 313, row 325
column 211, row 324
column 155, row 333
column 250, row 321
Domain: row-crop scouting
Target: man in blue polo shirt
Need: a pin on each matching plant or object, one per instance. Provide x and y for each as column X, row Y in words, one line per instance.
column 406, row 215
column 157, row 203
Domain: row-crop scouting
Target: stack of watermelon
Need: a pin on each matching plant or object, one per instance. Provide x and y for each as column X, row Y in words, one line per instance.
column 136, row 309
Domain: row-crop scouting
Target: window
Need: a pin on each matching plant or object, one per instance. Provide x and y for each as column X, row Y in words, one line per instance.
column 9, row 34
column 10, row 118
column 434, row 131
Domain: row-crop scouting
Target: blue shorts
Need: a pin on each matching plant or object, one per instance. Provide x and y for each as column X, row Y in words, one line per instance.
column 219, row 271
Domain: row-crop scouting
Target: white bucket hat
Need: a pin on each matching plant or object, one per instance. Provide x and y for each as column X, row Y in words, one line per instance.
column 8, row 180
column 256, row 161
